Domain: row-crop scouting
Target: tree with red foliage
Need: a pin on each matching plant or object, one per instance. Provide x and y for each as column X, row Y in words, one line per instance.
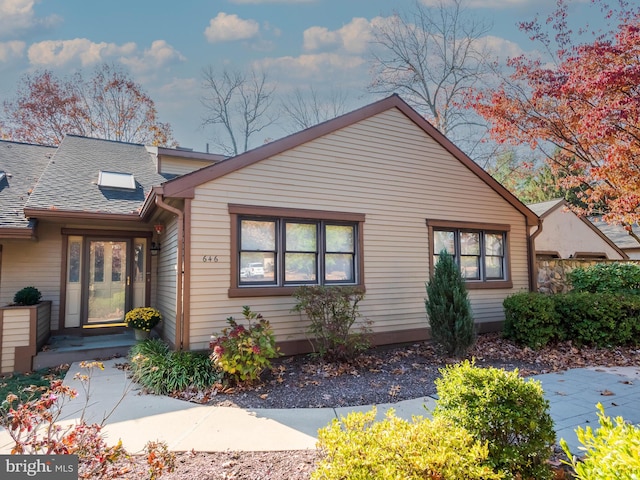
column 582, row 110
column 110, row 105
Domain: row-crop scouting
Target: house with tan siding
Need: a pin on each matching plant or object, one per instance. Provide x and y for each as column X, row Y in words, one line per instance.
column 368, row 199
column 70, row 225
column 566, row 235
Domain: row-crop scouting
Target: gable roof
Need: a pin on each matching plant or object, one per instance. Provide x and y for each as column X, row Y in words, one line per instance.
column 617, row 233
column 69, row 184
column 544, row 209
column 183, row 187
column 22, row 164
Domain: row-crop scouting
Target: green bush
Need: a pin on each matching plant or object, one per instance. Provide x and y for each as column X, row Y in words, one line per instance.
column 606, row 277
column 503, row 409
column 332, row 313
column 531, row 319
column 357, row 447
column 162, row 371
column 613, row 451
column 242, row 352
column 448, row 308
column 599, row 319
column 27, row 296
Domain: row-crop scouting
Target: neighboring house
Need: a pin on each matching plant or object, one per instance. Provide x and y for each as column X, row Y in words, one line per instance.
column 620, row 237
column 368, row 199
column 71, row 225
column 566, row 235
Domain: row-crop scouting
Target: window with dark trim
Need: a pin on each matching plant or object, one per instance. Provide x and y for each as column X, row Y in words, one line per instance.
column 481, row 251
column 284, row 251
column 279, row 249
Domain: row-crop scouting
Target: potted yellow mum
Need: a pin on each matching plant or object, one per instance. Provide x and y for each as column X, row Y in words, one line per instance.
column 142, row 320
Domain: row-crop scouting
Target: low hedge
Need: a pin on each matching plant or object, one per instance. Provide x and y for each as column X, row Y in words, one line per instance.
column 595, row 319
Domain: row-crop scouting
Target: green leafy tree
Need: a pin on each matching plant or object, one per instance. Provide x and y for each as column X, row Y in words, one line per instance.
column 448, row 307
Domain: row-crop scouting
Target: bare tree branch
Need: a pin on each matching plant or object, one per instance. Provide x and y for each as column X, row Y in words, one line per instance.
column 238, row 102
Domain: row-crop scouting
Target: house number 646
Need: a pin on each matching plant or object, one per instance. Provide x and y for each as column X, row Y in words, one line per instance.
column 209, row 258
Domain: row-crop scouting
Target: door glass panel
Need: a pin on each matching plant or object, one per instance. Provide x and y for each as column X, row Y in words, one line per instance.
column 107, row 281
column 74, row 261
column 138, row 274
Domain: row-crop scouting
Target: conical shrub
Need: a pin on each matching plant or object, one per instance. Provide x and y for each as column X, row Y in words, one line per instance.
column 448, row 307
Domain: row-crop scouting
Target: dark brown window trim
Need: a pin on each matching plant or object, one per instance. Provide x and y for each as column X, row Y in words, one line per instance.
column 292, row 213
column 296, row 213
column 487, row 228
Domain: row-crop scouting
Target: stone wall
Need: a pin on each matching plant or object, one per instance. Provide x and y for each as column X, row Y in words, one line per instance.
column 552, row 274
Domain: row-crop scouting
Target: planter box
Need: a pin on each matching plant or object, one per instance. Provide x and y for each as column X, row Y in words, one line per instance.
column 23, row 331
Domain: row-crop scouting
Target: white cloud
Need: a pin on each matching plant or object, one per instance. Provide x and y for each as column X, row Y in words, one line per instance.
column 159, row 55
column 305, row 66
column 226, row 28
column 354, row 37
column 62, row 52
column 11, row 50
column 500, row 47
column 18, row 16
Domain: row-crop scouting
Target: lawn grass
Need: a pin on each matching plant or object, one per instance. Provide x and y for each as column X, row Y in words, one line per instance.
column 29, row 385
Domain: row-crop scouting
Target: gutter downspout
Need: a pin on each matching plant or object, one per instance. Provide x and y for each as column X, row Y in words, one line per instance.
column 180, row 270
column 533, row 268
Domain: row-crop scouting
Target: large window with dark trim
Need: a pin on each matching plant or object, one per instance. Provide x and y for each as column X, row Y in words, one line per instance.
column 281, row 251
column 480, row 254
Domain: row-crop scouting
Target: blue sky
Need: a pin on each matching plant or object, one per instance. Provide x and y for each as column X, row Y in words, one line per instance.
column 165, row 45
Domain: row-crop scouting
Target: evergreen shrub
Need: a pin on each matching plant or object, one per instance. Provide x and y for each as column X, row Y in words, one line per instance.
column 448, row 308
column 531, row 319
column 27, row 296
column 606, row 278
column 503, row 409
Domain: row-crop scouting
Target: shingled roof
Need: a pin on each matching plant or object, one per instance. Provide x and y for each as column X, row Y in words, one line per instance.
column 22, row 165
column 69, row 183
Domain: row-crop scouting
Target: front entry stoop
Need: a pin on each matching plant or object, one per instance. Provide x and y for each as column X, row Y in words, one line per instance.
column 66, row 349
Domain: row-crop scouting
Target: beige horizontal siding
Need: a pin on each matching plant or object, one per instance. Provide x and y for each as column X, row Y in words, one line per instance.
column 384, row 167
column 166, row 286
column 180, row 166
column 33, row 263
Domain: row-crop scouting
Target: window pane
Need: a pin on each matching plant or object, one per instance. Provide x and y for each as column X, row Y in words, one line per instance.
column 139, row 250
column 74, row 262
column 470, row 243
column 470, row 267
column 494, row 244
column 443, row 240
column 116, row 262
column 301, row 237
column 257, row 267
column 98, row 266
column 300, row 267
column 339, row 267
column 258, row 235
column 340, row 238
column 494, row 267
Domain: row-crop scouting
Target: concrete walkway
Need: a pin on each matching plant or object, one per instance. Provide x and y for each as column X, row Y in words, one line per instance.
column 573, row 396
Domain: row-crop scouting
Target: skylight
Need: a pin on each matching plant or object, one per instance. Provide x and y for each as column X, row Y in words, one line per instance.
column 116, row 180
column 2, row 175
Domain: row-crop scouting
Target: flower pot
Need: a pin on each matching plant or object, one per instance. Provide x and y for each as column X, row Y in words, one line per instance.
column 141, row 334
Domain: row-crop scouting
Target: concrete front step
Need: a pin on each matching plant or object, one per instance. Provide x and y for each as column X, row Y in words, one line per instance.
column 69, row 349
